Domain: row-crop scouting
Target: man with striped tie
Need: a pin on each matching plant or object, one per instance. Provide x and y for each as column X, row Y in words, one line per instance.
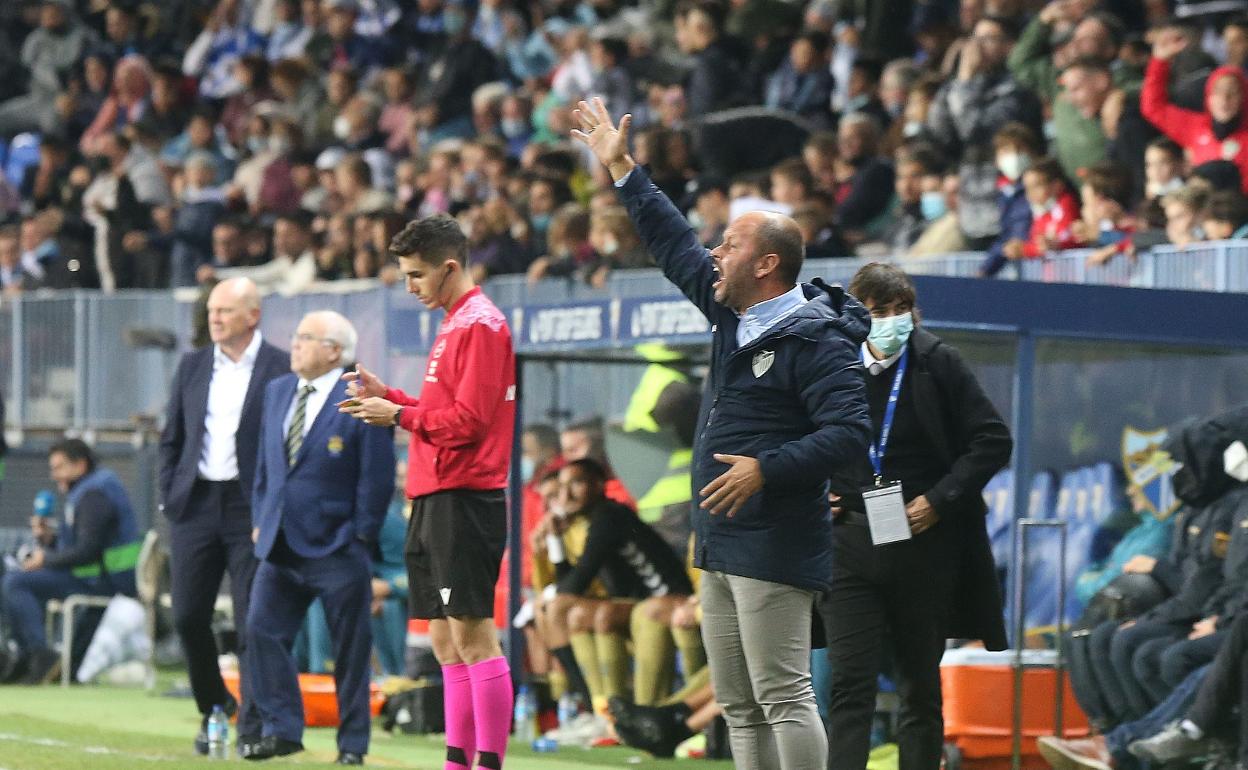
column 323, row 483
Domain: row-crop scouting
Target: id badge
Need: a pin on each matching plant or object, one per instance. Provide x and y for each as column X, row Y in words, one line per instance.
column 886, row 513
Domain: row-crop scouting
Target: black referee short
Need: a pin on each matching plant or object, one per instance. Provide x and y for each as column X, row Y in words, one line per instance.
column 455, row 542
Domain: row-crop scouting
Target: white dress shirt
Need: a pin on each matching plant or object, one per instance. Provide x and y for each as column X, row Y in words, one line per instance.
column 218, row 459
column 316, row 399
column 879, row 365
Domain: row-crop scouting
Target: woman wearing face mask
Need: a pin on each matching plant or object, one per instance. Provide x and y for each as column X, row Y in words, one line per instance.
column 941, row 439
column 1218, row 133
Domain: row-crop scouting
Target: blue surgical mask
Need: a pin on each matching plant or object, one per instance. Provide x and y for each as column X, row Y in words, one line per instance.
column 527, row 469
column 540, row 222
column 889, row 335
column 513, row 128
column 932, row 204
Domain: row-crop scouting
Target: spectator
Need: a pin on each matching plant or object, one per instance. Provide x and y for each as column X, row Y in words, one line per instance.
column 132, row 83
column 44, row 183
column 803, row 84
column 969, row 111
column 1054, row 212
column 863, row 92
column 710, row 210
column 918, row 175
column 944, row 233
column 202, row 134
column 346, row 46
column 448, row 81
column 1225, row 216
column 1183, row 209
column 202, row 204
column 48, row 53
column 1107, row 224
column 715, row 80
column 355, row 185
column 225, row 39
column 1037, row 64
column 567, row 243
column 609, row 56
column 819, row 236
column 395, row 121
column 115, row 207
column 791, row 182
column 1015, row 146
column 1220, row 132
column 1078, row 125
column 1235, row 42
column 867, row 186
column 820, row 155
column 616, row 243
column 13, row 276
column 251, row 72
column 167, row 108
column 492, row 250
column 1163, row 174
column 331, row 124
column 290, row 36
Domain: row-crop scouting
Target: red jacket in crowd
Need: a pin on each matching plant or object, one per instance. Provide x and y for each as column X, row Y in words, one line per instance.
column 463, row 422
column 1194, row 130
column 1051, row 229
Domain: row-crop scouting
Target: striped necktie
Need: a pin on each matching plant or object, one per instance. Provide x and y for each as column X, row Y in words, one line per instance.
column 294, row 436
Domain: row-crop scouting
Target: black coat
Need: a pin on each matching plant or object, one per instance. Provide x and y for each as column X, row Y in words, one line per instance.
column 183, row 436
column 974, row 444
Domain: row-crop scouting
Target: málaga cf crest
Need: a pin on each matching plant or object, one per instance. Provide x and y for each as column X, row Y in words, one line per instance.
column 1150, row 468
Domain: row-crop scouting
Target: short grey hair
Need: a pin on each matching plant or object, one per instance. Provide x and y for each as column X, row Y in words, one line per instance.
column 339, row 331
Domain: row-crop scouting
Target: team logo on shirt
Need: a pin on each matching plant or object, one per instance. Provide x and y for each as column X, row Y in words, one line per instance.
column 446, row 595
column 334, row 445
column 1230, row 149
column 762, row 362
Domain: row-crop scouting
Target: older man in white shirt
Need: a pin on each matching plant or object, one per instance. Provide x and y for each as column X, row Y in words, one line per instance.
column 208, row 457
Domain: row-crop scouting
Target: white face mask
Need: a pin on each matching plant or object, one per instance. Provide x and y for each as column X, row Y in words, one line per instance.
column 342, row 127
column 1013, row 164
column 610, row 246
column 1158, row 189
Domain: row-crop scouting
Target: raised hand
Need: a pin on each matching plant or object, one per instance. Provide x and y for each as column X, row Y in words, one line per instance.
column 608, row 141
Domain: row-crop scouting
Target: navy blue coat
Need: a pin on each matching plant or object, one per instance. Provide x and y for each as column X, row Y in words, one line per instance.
column 1015, row 225
column 794, row 399
column 338, row 488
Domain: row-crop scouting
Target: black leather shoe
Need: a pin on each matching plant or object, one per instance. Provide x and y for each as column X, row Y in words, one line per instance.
column 272, row 746
column 349, row 758
column 246, row 743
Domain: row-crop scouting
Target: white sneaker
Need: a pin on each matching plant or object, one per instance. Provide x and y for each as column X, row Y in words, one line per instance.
column 582, row 731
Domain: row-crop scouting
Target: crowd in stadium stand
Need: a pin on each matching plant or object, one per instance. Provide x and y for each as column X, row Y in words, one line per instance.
column 170, row 144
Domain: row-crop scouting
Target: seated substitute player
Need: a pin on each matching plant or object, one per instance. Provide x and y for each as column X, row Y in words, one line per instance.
column 632, row 561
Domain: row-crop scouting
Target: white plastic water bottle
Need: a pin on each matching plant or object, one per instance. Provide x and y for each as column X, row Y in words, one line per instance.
column 525, row 715
column 218, row 734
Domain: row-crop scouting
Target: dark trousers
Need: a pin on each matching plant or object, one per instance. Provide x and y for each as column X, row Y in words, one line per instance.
column 1170, row 709
column 1227, row 685
column 1082, row 662
column 213, row 536
column 900, row 592
column 1128, row 696
column 26, row 593
column 286, row 584
column 1161, row 664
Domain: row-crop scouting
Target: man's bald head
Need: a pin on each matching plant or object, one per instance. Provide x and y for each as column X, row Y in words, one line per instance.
column 760, row 258
column 779, row 234
column 233, row 314
column 243, row 290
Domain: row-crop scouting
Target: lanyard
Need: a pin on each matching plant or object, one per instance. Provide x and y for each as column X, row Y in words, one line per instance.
column 876, row 450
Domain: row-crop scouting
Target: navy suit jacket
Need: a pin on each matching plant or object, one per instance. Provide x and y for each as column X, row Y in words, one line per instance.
column 182, row 440
column 338, row 488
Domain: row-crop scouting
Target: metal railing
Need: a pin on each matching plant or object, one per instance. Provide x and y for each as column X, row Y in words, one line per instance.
column 74, row 360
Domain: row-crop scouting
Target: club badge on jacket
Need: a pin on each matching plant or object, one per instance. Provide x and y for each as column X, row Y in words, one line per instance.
column 335, row 446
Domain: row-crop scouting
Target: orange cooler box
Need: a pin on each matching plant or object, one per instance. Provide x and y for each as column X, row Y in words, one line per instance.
column 978, row 690
column 320, row 703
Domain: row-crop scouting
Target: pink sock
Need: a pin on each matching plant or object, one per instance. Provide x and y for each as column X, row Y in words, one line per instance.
column 492, row 700
column 457, row 706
